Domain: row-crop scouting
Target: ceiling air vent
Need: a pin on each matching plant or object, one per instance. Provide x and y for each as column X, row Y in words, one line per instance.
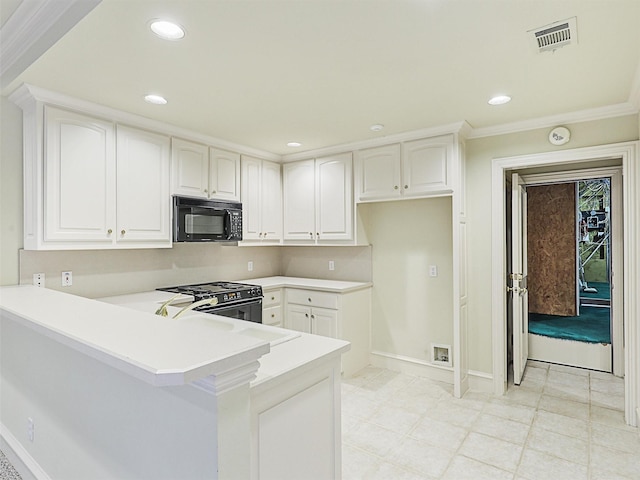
column 554, row 36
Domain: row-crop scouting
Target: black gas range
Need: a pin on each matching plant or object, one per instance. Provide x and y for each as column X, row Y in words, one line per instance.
column 235, row 300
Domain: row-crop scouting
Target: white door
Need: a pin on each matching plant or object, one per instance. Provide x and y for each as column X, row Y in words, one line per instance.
column 271, row 201
column 299, row 200
column 143, row 200
column 224, row 175
column 190, row 168
column 518, row 277
column 324, row 322
column 380, row 172
column 79, row 200
column 334, row 204
column 298, row 318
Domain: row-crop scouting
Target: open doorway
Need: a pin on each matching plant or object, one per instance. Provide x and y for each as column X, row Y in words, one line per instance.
column 570, row 264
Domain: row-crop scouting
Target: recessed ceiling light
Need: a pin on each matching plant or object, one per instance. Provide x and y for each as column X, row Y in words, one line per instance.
column 167, row 30
column 376, row 128
column 294, row 144
column 155, row 99
column 500, row 100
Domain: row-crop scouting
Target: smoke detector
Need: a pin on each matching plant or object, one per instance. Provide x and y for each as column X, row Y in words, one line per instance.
column 555, row 35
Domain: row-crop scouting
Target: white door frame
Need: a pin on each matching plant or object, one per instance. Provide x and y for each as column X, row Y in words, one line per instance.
column 628, row 154
column 617, row 298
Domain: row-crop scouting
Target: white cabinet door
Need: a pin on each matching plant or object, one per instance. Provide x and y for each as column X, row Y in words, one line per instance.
column 426, row 166
column 299, row 200
column 224, row 175
column 79, row 194
column 334, row 198
column 380, row 175
column 190, row 168
column 298, row 318
column 261, row 200
column 324, row 322
column 143, row 200
column 271, row 195
column 251, row 204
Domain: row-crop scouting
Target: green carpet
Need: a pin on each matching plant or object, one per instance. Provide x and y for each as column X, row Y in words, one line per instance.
column 592, row 326
column 604, row 292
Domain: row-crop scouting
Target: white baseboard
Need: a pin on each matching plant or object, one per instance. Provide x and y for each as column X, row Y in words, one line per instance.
column 22, row 460
column 478, row 381
column 412, row 366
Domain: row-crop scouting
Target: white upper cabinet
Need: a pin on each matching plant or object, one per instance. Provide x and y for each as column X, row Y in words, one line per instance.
column 261, row 200
column 426, row 166
column 79, row 178
column 143, row 200
column 224, row 174
column 299, row 183
column 104, row 186
column 206, row 172
column 418, row 168
column 318, row 199
column 334, row 197
column 379, row 172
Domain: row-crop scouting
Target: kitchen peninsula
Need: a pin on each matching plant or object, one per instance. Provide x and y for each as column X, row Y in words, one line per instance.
column 115, row 391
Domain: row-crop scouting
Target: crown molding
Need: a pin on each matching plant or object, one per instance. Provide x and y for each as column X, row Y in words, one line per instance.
column 33, row 28
column 600, row 113
column 452, row 128
column 26, row 94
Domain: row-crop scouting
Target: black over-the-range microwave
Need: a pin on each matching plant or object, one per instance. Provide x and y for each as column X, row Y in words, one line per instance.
column 200, row 220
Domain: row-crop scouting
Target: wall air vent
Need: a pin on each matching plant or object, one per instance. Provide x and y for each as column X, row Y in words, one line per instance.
column 556, row 35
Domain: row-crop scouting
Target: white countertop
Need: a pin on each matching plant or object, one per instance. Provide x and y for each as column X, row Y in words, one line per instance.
column 122, row 332
column 158, row 350
column 335, row 286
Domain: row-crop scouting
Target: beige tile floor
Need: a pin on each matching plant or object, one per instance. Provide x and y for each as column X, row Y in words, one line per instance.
column 561, row 423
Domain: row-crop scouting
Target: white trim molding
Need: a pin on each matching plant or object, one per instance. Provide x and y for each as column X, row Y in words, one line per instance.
column 19, row 457
column 412, row 366
column 626, row 152
column 33, row 28
column 589, row 115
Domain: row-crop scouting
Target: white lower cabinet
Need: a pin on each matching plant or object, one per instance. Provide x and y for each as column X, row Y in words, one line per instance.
column 337, row 315
column 272, row 307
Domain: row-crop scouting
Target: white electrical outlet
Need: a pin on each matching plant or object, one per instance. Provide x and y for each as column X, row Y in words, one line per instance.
column 332, row 265
column 38, row 279
column 67, row 279
column 433, row 270
column 250, row 266
column 30, row 429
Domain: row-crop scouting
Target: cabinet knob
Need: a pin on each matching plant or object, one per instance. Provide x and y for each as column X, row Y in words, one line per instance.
column 310, row 234
column 213, row 192
column 109, row 232
column 273, row 298
column 309, row 298
column 265, row 234
column 273, row 315
column 206, row 190
column 406, row 186
column 306, row 315
column 317, row 234
column 395, row 187
column 122, row 232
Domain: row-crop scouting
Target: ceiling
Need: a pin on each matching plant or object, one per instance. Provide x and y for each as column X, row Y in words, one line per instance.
column 320, row 72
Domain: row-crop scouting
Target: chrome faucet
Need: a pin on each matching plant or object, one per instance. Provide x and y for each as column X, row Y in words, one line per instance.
column 199, row 303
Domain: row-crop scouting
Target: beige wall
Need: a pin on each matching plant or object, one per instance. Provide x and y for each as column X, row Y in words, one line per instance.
column 480, row 153
column 410, row 309
column 10, row 190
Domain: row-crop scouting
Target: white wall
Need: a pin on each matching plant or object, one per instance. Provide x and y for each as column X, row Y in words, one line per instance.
column 10, row 190
column 480, row 153
column 351, row 263
column 92, row 421
column 410, row 309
